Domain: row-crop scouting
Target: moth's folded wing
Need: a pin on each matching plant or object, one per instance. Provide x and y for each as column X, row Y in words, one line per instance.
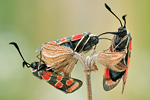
column 68, row 69
column 112, row 60
column 56, row 57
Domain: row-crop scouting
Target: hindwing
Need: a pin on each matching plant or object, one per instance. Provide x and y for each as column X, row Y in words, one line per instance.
column 65, row 84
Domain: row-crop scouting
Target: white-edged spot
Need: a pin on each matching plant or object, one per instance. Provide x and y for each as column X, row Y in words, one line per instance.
column 46, row 77
column 59, row 78
column 69, row 82
column 73, row 87
column 59, row 84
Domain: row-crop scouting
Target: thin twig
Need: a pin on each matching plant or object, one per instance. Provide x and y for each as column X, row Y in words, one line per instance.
column 88, row 82
column 87, row 65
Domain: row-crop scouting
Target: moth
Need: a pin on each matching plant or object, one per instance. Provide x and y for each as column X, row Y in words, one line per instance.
column 116, row 59
column 59, row 81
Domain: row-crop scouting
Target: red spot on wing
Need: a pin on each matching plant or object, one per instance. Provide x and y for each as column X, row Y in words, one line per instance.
column 47, row 73
column 129, row 45
column 106, row 73
column 53, row 42
column 63, row 39
column 59, row 78
column 53, row 85
column 111, row 47
column 76, row 37
column 73, row 87
column 69, row 82
column 110, row 82
column 59, row 84
column 46, row 77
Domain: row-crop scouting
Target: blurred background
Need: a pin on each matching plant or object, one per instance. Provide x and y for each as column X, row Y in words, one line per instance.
column 33, row 22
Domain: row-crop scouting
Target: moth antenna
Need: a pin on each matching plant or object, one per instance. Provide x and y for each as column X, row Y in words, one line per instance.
column 105, row 38
column 108, row 8
column 124, row 18
column 24, row 62
column 114, row 33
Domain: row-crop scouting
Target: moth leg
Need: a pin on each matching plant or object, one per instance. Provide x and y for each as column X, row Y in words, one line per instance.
column 71, row 44
column 93, row 51
column 40, row 58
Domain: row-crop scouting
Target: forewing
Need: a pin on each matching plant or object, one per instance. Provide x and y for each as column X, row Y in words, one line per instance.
column 57, row 57
column 108, row 83
column 65, row 84
column 112, row 60
column 126, row 72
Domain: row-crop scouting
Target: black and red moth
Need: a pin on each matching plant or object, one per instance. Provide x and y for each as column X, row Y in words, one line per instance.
column 117, row 58
column 65, row 84
column 59, row 54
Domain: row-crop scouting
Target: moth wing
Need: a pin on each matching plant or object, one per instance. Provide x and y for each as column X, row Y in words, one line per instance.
column 112, row 60
column 119, row 67
column 65, row 84
column 108, row 83
column 128, row 60
column 57, row 57
column 68, row 69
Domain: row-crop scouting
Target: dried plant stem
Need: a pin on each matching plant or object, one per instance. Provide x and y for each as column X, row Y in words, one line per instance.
column 87, row 65
column 88, row 82
column 88, row 70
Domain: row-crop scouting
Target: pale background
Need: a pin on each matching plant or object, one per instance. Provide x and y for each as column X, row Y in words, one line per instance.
column 33, row 22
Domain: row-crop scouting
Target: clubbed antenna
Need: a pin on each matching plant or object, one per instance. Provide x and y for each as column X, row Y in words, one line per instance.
column 24, row 62
column 124, row 18
column 112, row 13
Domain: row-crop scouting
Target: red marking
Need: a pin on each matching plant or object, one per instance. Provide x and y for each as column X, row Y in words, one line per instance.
column 109, row 82
column 46, row 77
column 129, row 45
column 59, row 84
column 128, row 60
column 111, row 47
column 69, row 82
column 106, row 70
column 76, row 37
column 125, row 75
column 47, row 73
column 63, row 39
column 106, row 73
column 73, row 87
column 53, row 85
column 53, row 42
column 59, row 78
